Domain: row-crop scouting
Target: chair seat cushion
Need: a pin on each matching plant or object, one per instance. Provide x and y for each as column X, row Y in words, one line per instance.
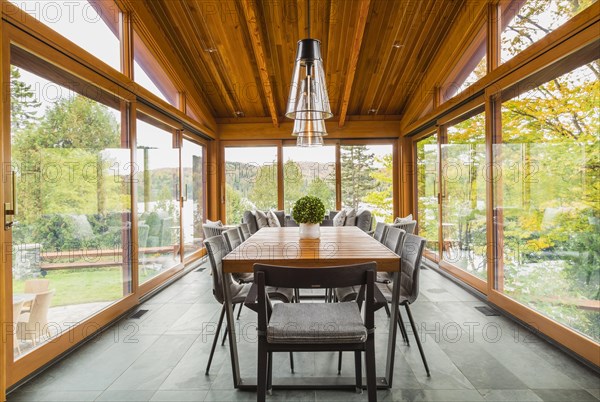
column 316, row 323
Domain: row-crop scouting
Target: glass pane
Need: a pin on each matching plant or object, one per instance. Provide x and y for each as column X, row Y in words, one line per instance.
column 157, row 181
column 463, row 197
column 427, row 191
column 193, row 213
column 528, row 21
column 367, row 179
column 94, row 26
column 473, row 67
column 309, row 171
column 73, row 219
column 146, row 72
column 250, row 180
column 547, row 200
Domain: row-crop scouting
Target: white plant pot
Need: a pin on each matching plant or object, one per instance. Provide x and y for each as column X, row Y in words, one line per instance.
column 310, row 231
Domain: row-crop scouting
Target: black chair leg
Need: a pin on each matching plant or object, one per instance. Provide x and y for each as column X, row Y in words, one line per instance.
column 292, row 361
column 387, row 310
column 261, row 384
column 412, row 324
column 297, row 295
column 270, row 374
column 340, row 363
column 240, row 310
column 212, row 349
column 224, row 337
column 371, row 375
column 402, row 328
column 358, row 370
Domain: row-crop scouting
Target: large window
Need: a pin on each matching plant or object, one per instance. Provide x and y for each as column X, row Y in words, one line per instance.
column 547, row 199
column 250, row 180
column 528, row 21
column 367, row 179
column 309, row 171
column 157, row 178
column 464, row 196
column 148, row 73
column 94, row 26
column 428, row 185
column 71, row 228
column 194, row 197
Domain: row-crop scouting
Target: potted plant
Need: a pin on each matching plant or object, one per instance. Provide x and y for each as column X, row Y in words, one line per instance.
column 308, row 212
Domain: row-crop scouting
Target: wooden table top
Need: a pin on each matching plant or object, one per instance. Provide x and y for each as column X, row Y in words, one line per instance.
column 337, row 246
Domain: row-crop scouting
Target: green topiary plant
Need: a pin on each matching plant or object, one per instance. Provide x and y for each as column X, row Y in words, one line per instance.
column 308, row 209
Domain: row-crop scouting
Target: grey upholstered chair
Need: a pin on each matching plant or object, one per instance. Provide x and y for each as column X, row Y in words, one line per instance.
column 393, row 239
column 244, row 229
column 380, row 231
column 412, row 252
column 211, row 230
column 232, row 239
column 311, row 327
column 217, row 249
column 408, row 227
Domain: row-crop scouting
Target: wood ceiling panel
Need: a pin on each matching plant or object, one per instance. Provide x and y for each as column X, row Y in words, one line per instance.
column 242, row 65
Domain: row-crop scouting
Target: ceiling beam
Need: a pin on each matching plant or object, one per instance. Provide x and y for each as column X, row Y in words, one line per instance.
column 363, row 13
column 251, row 16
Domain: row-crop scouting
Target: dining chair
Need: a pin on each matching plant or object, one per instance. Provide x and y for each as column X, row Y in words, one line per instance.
column 380, row 231
column 412, row 253
column 244, row 229
column 408, row 227
column 232, row 239
column 211, row 230
column 17, row 307
column 217, row 249
column 315, row 327
column 31, row 326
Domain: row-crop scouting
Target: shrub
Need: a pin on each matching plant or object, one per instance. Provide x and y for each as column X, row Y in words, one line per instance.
column 308, row 209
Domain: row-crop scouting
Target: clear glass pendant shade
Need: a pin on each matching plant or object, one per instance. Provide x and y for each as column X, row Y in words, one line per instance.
column 309, row 141
column 308, row 97
column 305, row 128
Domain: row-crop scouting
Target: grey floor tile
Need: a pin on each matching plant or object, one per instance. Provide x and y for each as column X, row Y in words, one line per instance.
column 292, row 396
column 351, row 396
column 179, row 396
column 437, row 395
column 125, row 396
column 510, row 395
column 230, row 395
column 562, row 395
column 54, row 396
column 594, row 391
column 155, row 364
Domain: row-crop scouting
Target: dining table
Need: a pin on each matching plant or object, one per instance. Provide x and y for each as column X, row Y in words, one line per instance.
column 337, row 246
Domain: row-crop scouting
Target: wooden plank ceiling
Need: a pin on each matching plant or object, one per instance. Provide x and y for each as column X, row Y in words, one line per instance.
column 240, row 53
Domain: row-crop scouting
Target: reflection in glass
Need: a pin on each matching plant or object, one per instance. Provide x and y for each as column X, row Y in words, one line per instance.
column 547, row 200
column 427, row 191
column 157, row 181
column 193, row 212
column 74, row 219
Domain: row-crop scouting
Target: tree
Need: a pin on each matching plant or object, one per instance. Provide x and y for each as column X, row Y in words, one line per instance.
column 293, row 184
column 320, row 189
column 23, row 103
column 382, row 198
column 263, row 193
column 357, row 169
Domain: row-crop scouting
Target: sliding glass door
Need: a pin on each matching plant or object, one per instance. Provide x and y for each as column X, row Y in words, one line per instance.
column 194, row 197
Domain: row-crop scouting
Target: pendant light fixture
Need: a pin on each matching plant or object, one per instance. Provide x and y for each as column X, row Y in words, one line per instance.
column 308, row 102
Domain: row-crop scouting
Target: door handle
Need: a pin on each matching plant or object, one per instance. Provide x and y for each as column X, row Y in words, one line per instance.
column 10, row 208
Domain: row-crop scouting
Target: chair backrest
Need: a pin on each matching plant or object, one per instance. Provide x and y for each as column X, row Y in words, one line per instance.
column 380, row 231
column 362, row 275
column 364, row 220
column 232, row 239
column 39, row 309
column 211, row 230
column 393, row 239
column 36, row 285
column 250, row 219
column 408, row 227
column 412, row 252
column 244, row 229
column 217, row 249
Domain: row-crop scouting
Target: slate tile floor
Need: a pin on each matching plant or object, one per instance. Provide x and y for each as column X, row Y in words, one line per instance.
column 162, row 357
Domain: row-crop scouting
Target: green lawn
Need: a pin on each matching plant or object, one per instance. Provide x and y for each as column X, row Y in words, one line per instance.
column 77, row 286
